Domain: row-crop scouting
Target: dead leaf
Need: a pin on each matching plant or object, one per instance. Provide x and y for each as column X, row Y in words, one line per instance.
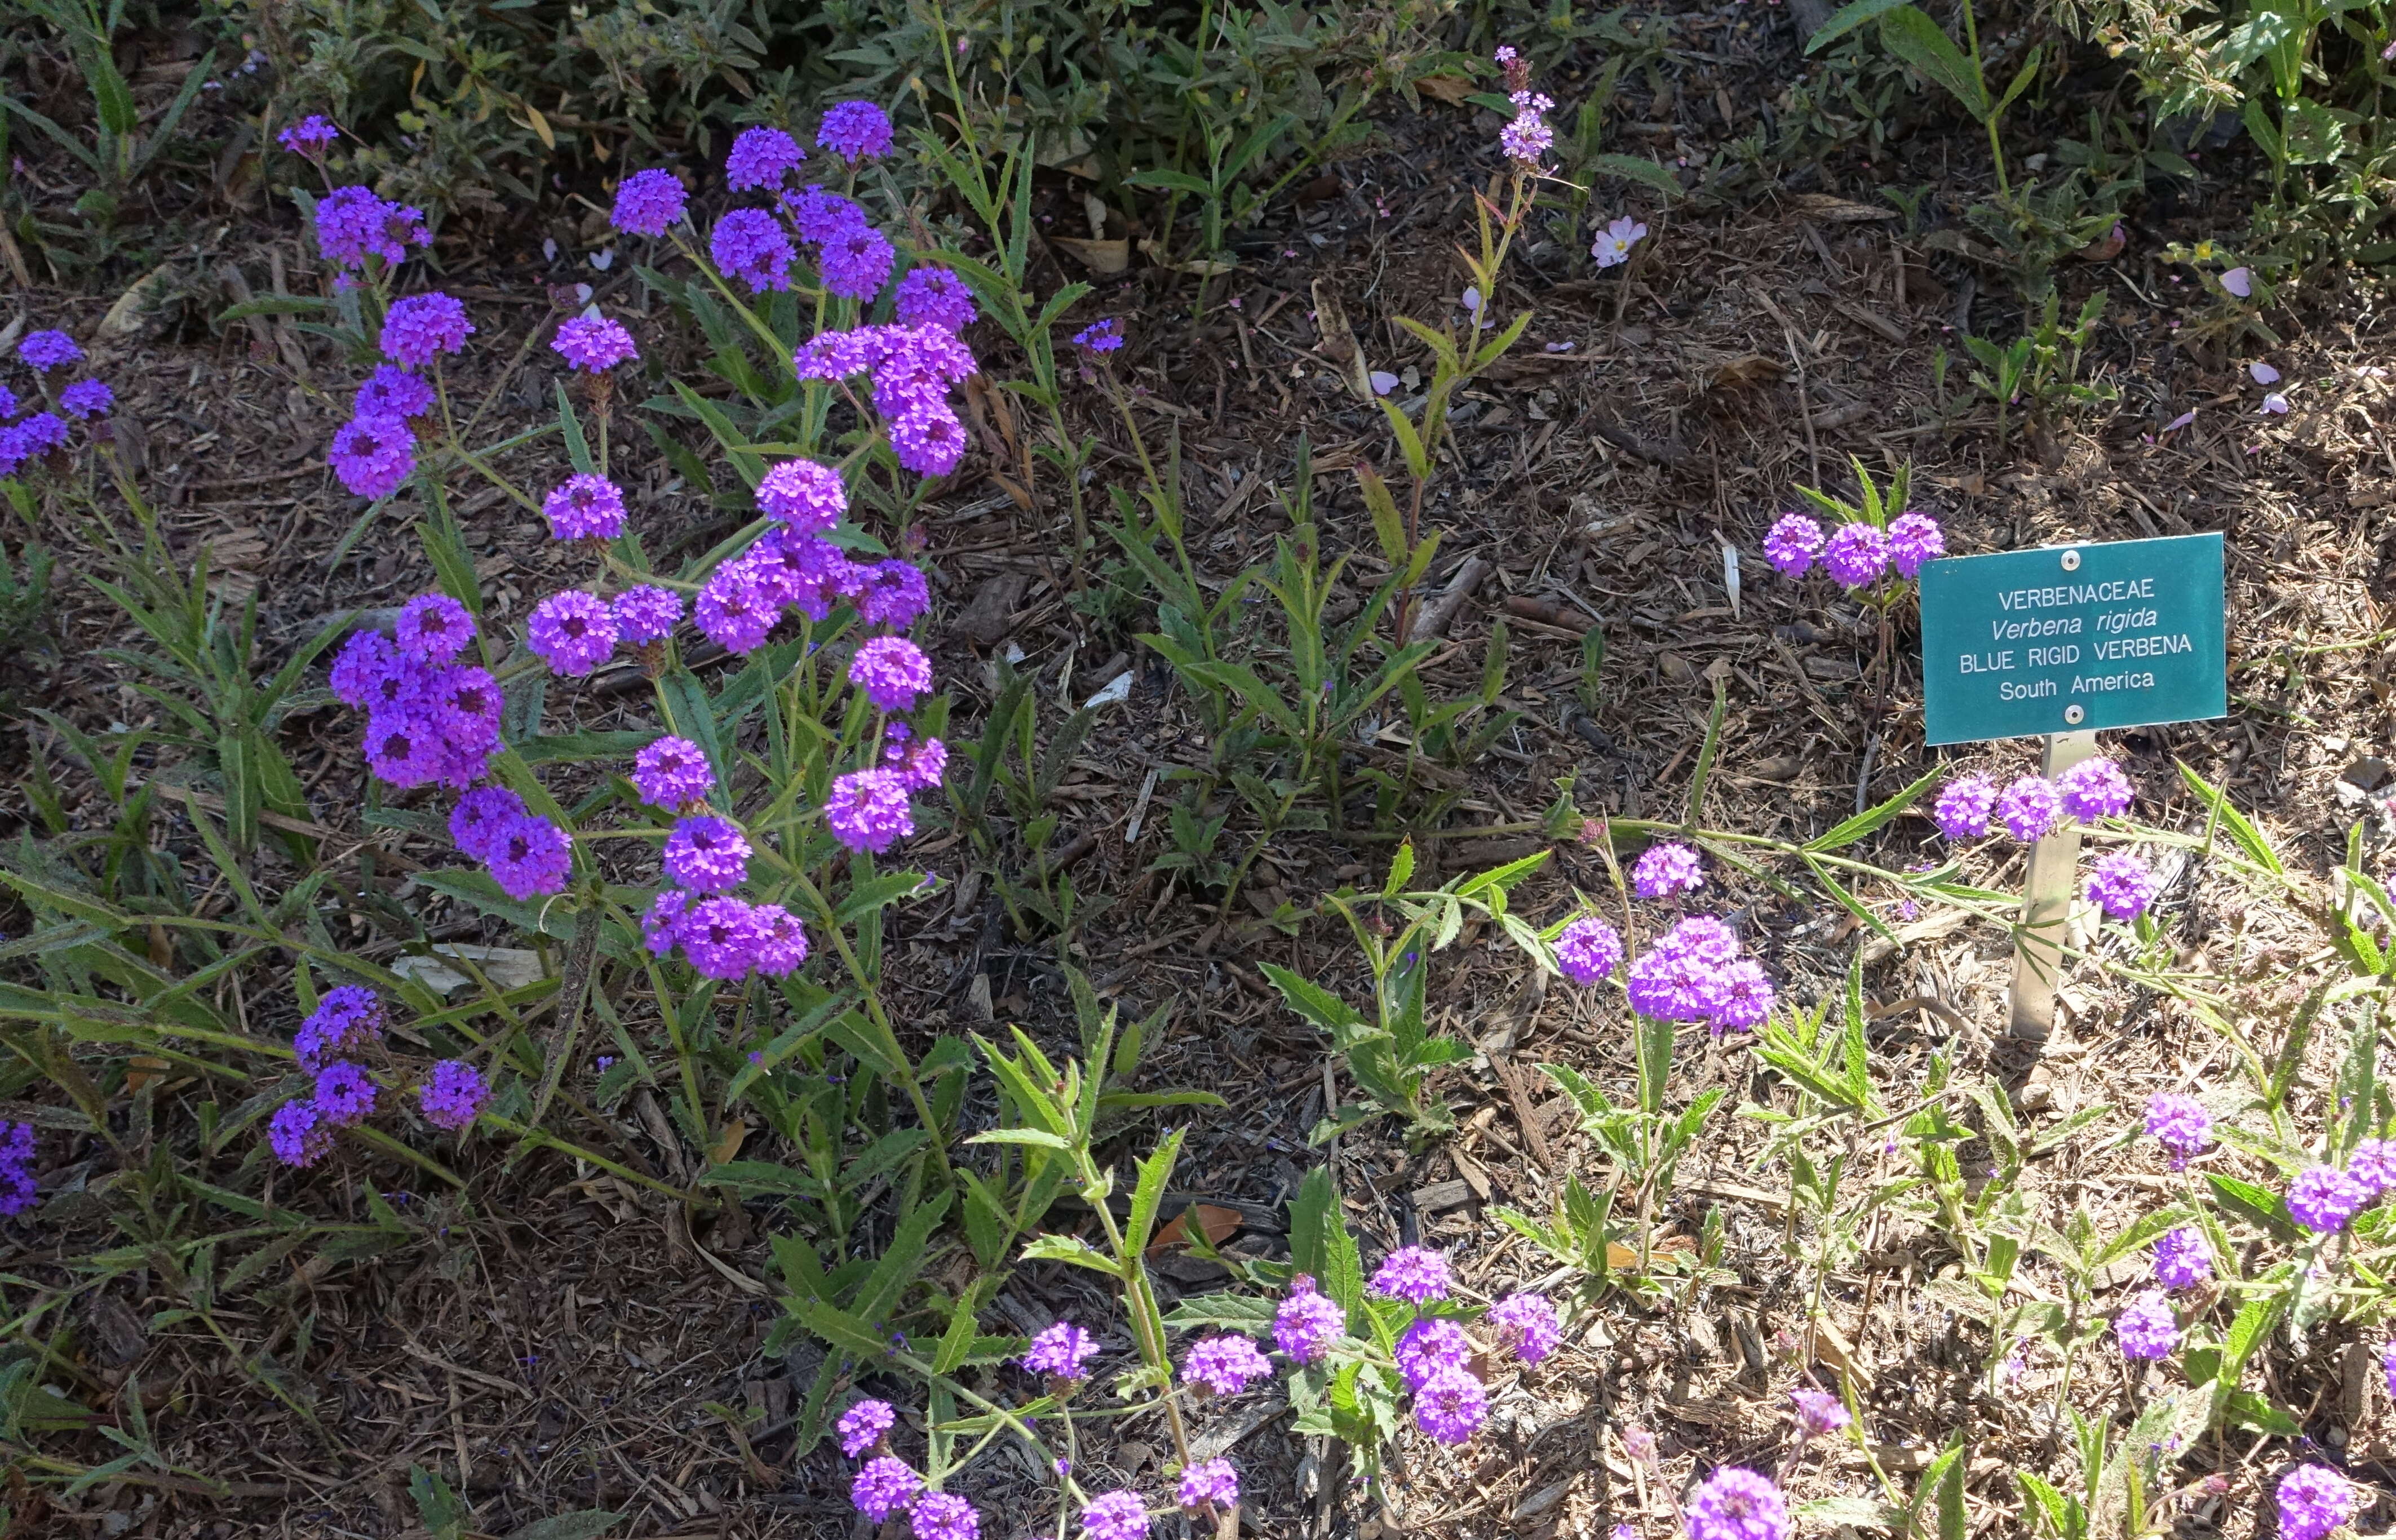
column 143, row 1068
column 1449, row 88
column 1103, row 257
column 1821, row 205
column 1218, row 1224
column 130, row 316
column 2105, row 247
column 726, row 1148
column 1754, row 369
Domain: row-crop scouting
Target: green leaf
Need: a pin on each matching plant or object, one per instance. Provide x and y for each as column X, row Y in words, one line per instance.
column 1846, row 19
column 2242, row 831
column 1638, row 168
column 1069, row 1248
column 1321, row 1247
column 1871, row 818
column 1150, row 1193
column 2251, row 1411
column 1919, row 41
column 577, row 449
column 2311, row 132
column 272, row 304
column 438, row 1507
column 1402, row 868
column 1706, row 754
column 2259, row 1204
column 1309, row 1000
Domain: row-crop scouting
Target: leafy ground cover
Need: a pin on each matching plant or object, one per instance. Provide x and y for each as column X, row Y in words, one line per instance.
column 623, row 1290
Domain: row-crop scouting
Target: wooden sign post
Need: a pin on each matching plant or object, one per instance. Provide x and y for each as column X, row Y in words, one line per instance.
column 2061, row 643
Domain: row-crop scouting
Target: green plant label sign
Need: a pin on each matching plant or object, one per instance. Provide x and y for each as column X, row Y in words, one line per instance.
column 2074, row 638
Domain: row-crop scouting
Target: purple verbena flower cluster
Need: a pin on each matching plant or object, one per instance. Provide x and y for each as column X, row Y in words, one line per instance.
column 359, row 232
column 594, row 344
column 1818, row 1412
column 2324, row 1197
column 1666, row 869
column 1694, row 971
column 864, row 1427
column 1432, row 1343
column 1117, row 1515
column 2147, row 1328
column 1306, row 1322
column 1207, row 1485
column 312, row 136
column 649, row 202
column 2180, row 1124
column 1062, row 1352
column 1736, row 1504
column 430, row 718
column 17, row 1188
column 1588, row 950
column 854, row 130
column 2121, row 885
column 2181, row 1259
column 911, row 369
column 41, row 434
column 1414, row 1274
column 1528, row 136
column 1528, row 1323
column 585, row 507
column 1856, row 554
column 2313, row 1500
column 1224, row 1364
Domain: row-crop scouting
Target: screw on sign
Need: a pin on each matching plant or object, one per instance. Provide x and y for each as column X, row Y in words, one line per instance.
column 2063, row 643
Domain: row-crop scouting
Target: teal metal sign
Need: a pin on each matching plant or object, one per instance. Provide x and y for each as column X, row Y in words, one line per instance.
column 2068, row 639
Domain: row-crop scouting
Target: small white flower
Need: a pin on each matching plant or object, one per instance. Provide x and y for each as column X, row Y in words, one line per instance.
column 1383, row 381
column 2239, row 281
column 603, row 261
column 1614, row 243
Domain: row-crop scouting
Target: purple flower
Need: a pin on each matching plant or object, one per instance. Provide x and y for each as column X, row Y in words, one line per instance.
column 1742, row 997
column 1450, row 1406
column 2373, row 1164
column 2093, row 788
column 2181, row 1260
column 87, row 399
column 1588, row 950
column 855, row 130
column 2029, row 807
column 661, row 926
column 374, row 456
column 672, row 772
column 781, row 945
column 8, row 402
column 45, row 351
column 1061, row 1352
column 721, row 937
column 368, row 660
column 573, row 632
column 1528, row 139
column 646, row 614
column 892, row 671
column 944, row 1516
column 868, row 810
column 761, row 157
column 423, row 326
column 2121, row 885
column 1528, row 1321
column 1665, row 869
column 593, row 344
column 344, row 1095
column 299, row 1133
column 1693, row 972
column 348, row 1018
column 2181, row 1125
column 1856, row 554
column 2387, row 1366
column 749, row 246
column 530, row 856
column 1964, row 806
column 481, row 816
column 2313, row 1500
column 731, row 611
column 1818, row 1412
column 1209, row 1484
column 453, row 1096
column 352, row 225
column 649, row 202
column 38, row 435
column 17, row 1188
column 312, row 136
column 400, row 752
column 1224, row 1364
column 585, row 508
column 1117, row 1515
column 804, row 495
column 894, row 593
column 434, row 628
column 935, row 297
column 1736, row 1504
column 1307, row 1322
column 921, row 764
column 820, row 217
column 856, row 262
column 1612, row 248
column 929, row 440
column 1414, row 1274
column 884, row 1487
column 1914, row 541
column 2324, row 1199
column 2147, row 1328
column 1793, row 544
column 1100, row 338
column 862, row 1426
column 1432, row 1343
column 391, row 392
column 707, row 855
